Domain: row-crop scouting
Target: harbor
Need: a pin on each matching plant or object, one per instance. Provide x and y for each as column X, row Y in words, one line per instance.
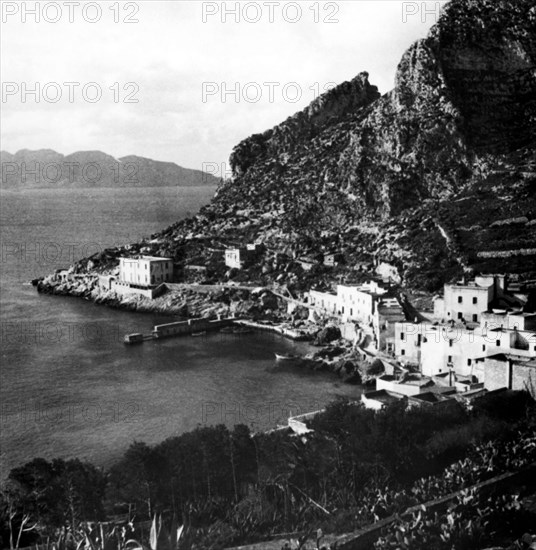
column 199, row 327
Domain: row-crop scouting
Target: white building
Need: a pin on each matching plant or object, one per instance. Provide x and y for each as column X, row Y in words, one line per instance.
column 369, row 305
column 326, row 301
column 508, row 319
column 351, row 303
column 455, row 348
column 145, row 271
column 468, row 300
column 238, row 258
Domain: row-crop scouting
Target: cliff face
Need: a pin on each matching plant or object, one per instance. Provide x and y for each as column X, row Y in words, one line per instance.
column 424, row 177
column 462, row 111
column 465, row 91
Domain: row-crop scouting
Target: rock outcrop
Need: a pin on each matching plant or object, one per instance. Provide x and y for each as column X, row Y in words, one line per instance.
column 416, row 178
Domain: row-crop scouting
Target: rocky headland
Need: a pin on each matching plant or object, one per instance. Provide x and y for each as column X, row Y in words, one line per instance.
column 431, row 181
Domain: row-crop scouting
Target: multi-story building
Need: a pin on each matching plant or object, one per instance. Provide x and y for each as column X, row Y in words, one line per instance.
column 468, row 300
column 450, row 347
column 370, row 305
column 145, row 271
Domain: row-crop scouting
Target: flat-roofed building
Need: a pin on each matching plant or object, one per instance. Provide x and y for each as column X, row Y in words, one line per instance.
column 145, row 271
column 377, row 400
column 411, row 384
column 450, row 347
column 519, row 320
column 241, row 257
column 370, row 305
column 510, row 371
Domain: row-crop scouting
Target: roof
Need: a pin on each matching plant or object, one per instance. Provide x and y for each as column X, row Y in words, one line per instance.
column 384, row 396
column 508, row 357
column 472, row 394
column 149, row 258
column 430, row 397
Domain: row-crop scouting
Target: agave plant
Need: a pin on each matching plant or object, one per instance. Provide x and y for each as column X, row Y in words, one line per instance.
column 160, row 538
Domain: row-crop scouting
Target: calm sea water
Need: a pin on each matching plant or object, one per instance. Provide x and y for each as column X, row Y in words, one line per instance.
column 70, row 387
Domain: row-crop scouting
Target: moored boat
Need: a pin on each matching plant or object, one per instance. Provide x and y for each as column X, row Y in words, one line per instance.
column 134, row 338
column 286, row 357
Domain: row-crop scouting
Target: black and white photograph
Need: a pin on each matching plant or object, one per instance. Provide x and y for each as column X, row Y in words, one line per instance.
column 268, row 275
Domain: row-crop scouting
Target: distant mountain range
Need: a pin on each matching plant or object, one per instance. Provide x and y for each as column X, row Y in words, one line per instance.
column 46, row 168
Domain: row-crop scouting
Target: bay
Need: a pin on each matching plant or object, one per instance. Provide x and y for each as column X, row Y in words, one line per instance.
column 69, row 387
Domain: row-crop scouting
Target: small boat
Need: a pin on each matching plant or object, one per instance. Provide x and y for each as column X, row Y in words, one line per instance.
column 285, row 357
column 200, row 333
column 135, row 338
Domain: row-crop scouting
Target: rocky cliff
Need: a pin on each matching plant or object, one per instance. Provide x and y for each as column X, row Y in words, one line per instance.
column 424, row 177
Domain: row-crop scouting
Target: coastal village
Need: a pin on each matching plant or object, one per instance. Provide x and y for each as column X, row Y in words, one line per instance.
column 362, row 276
column 470, row 348
column 477, row 338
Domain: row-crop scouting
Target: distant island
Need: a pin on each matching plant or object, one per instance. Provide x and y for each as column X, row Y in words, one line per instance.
column 46, row 168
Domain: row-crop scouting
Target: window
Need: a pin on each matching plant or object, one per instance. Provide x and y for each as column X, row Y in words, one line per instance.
column 450, row 343
column 483, row 348
column 402, row 336
column 468, row 362
column 498, row 342
column 460, row 314
column 475, row 318
column 475, row 300
column 449, row 359
column 460, row 300
column 402, row 352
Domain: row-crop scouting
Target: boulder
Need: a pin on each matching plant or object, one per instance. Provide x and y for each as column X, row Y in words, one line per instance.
column 327, row 334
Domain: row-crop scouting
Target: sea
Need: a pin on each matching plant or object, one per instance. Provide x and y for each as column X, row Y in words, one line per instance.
column 70, row 387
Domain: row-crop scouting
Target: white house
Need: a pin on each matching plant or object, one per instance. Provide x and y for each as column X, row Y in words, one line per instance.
column 238, row 258
column 369, row 305
column 455, row 348
column 145, row 271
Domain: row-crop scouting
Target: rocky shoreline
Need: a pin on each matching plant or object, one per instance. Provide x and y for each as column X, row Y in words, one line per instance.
column 263, row 309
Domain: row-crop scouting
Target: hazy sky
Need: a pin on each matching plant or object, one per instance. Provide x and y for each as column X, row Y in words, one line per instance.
column 174, row 51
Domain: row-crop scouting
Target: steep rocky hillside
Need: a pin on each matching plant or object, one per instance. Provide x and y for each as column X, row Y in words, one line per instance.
column 435, row 177
column 46, row 168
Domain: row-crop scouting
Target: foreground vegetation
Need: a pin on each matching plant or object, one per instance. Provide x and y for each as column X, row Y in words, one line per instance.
column 227, row 487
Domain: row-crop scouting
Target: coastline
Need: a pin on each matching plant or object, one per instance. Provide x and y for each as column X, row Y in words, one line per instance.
column 258, row 311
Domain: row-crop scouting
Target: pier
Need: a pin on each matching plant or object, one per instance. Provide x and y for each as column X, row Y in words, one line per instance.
column 179, row 328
